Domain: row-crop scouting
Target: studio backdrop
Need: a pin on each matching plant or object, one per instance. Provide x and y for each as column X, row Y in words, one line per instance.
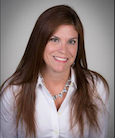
column 18, row 18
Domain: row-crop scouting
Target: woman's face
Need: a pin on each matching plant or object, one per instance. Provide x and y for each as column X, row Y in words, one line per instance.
column 60, row 51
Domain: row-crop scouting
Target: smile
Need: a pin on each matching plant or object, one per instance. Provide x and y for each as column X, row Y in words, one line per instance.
column 61, row 59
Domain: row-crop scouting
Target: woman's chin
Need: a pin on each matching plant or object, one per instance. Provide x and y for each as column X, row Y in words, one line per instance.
column 60, row 69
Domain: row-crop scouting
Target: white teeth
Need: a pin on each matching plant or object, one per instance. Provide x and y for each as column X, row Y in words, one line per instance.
column 60, row 59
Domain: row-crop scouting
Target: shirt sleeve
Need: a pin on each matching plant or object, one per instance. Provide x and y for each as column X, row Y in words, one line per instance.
column 103, row 115
column 8, row 119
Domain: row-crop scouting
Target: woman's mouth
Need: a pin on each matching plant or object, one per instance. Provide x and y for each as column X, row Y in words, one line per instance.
column 60, row 59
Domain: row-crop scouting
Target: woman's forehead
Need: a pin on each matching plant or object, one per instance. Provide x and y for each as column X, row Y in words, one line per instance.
column 66, row 30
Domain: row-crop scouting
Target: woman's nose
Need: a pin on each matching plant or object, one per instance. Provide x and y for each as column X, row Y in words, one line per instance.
column 62, row 48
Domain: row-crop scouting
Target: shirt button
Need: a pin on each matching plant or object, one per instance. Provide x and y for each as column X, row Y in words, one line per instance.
column 59, row 113
column 56, row 132
column 71, row 84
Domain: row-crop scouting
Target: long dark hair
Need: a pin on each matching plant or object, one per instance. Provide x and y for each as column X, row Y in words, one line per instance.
column 26, row 74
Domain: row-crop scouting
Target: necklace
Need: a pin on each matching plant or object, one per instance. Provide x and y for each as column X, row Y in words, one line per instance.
column 65, row 89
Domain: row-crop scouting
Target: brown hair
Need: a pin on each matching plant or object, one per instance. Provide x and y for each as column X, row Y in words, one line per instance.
column 26, row 74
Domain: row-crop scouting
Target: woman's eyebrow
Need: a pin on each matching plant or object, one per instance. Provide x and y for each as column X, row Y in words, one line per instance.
column 55, row 36
column 69, row 38
column 74, row 38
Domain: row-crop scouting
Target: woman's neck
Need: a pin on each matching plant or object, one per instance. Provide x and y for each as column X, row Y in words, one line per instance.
column 55, row 78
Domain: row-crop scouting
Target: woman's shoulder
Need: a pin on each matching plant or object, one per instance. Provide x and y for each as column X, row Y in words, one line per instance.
column 8, row 100
column 9, row 92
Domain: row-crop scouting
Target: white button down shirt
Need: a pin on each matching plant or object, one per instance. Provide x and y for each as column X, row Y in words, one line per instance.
column 50, row 123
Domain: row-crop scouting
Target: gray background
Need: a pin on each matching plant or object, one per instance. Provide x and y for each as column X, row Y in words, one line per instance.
column 19, row 16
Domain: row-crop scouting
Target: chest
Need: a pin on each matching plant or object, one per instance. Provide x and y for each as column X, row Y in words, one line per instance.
column 50, row 122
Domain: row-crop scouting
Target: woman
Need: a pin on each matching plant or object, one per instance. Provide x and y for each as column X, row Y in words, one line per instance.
column 52, row 93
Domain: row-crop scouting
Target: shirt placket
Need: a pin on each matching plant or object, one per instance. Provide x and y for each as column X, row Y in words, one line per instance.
column 55, row 123
column 54, row 114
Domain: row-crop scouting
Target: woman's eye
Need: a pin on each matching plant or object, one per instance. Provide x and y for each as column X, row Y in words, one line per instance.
column 72, row 42
column 54, row 40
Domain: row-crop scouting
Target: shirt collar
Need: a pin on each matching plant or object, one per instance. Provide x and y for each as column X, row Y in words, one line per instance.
column 73, row 79
column 39, row 80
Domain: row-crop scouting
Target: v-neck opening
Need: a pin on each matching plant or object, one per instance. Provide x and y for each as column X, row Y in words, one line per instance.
column 65, row 99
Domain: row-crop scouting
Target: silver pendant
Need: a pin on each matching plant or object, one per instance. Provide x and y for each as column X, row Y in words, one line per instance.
column 64, row 90
column 60, row 94
column 54, row 97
